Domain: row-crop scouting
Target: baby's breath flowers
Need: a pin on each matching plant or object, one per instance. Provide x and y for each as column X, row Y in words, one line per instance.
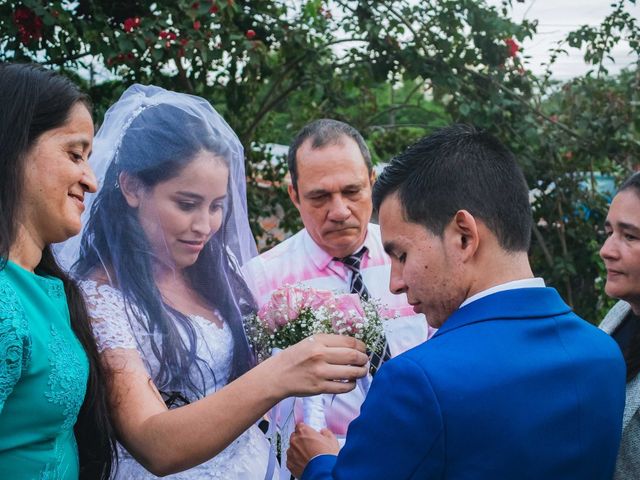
column 295, row 312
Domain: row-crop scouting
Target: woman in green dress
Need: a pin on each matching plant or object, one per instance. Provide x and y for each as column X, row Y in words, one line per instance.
column 54, row 422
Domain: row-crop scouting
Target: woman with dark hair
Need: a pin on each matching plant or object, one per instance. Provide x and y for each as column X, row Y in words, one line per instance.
column 621, row 255
column 159, row 261
column 51, row 381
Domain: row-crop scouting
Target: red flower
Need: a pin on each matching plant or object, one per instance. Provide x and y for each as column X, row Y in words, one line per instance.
column 196, row 5
column 214, row 9
column 28, row 23
column 163, row 34
column 196, row 25
column 130, row 23
column 250, row 34
column 184, row 41
column 512, row 47
column 172, row 35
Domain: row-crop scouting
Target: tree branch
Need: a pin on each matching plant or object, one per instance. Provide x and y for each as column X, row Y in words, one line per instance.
column 248, row 133
column 543, row 246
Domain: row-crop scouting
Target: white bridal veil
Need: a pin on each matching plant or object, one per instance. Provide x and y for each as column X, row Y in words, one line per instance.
column 118, row 122
column 152, row 134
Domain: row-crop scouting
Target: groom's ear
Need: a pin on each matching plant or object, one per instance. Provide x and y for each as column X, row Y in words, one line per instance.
column 464, row 234
column 131, row 189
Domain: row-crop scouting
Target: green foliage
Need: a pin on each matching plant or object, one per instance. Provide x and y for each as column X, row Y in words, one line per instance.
column 396, row 70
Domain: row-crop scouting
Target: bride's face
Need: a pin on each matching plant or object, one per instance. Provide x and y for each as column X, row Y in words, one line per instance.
column 179, row 216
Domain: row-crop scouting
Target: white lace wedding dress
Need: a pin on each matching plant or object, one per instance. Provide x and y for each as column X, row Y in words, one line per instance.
column 247, row 458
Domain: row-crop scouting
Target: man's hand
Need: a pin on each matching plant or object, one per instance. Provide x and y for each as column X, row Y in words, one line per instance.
column 305, row 444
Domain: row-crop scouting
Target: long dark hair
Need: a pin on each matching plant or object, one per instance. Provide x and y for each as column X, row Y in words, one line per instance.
column 632, row 353
column 33, row 101
column 114, row 243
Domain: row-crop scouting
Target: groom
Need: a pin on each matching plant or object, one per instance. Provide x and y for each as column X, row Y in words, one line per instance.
column 513, row 385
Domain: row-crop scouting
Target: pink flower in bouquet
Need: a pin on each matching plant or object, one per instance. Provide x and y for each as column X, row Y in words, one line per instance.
column 316, row 298
column 351, row 316
column 280, row 309
column 287, row 303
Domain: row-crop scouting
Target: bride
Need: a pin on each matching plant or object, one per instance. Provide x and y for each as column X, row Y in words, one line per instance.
column 158, row 262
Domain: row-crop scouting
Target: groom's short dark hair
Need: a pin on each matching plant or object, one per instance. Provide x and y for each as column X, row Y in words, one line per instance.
column 460, row 168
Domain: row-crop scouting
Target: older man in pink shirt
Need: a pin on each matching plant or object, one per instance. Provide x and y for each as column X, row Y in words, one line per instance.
column 331, row 179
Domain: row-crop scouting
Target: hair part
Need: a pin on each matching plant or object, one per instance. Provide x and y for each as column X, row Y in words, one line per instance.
column 325, row 132
column 34, row 100
column 460, row 168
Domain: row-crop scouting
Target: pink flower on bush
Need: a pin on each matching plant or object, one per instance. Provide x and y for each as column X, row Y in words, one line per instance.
column 512, row 47
column 130, row 23
column 29, row 24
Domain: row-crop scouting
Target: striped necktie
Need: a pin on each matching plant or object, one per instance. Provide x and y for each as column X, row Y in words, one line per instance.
column 352, row 262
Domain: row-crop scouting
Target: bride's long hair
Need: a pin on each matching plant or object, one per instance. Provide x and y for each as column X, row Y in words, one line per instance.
column 159, row 143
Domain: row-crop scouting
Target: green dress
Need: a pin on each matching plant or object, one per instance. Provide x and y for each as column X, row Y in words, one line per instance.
column 43, row 378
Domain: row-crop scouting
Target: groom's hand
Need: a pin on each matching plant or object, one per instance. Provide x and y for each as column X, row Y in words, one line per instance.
column 306, row 444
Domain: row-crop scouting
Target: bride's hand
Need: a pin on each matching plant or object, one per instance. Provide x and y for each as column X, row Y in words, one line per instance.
column 321, row 363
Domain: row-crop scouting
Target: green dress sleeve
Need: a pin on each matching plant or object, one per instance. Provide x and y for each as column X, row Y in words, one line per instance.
column 15, row 345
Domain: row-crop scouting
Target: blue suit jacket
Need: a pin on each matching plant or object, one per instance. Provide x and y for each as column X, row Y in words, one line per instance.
column 512, row 386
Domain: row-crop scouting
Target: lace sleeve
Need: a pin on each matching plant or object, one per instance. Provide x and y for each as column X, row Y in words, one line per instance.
column 15, row 343
column 108, row 314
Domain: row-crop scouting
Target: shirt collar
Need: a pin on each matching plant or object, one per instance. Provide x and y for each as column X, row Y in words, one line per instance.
column 524, row 283
column 322, row 259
